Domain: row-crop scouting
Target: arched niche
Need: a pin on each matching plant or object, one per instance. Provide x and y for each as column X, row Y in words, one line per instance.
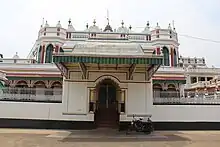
column 56, row 84
column 21, row 84
column 174, row 57
column 39, row 54
column 49, row 53
column 39, row 84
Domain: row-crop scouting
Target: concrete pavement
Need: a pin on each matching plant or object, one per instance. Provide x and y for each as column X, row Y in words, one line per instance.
column 58, row 138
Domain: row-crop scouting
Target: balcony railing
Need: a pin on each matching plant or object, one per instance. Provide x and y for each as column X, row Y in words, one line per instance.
column 31, row 95
column 203, row 70
column 189, row 98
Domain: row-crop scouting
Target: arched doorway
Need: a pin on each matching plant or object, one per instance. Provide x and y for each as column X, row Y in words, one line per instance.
column 157, row 90
column 21, row 87
column 172, row 92
column 106, row 114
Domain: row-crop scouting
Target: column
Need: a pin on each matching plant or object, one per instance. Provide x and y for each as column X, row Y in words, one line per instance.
column 65, row 94
column 92, row 100
column 148, row 98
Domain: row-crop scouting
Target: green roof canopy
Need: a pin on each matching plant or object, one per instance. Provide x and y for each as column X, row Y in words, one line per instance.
column 108, row 60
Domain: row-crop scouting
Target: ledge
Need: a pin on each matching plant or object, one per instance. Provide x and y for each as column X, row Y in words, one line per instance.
column 70, row 113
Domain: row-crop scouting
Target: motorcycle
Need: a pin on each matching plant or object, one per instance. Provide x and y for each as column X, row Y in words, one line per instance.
column 139, row 125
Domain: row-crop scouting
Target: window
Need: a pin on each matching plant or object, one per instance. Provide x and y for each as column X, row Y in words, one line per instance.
column 58, row 29
column 196, row 61
column 166, row 58
column 93, row 35
column 209, row 78
column 66, row 35
column 148, row 37
column 44, row 34
column 58, row 34
column 193, row 80
column 154, row 52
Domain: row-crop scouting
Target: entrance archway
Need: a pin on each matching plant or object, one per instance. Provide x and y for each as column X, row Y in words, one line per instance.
column 106, row 114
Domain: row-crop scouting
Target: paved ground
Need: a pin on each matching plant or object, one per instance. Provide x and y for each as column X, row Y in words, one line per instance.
column 57, row 138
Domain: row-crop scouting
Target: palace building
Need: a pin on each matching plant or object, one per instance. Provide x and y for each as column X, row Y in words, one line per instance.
column 101, row 77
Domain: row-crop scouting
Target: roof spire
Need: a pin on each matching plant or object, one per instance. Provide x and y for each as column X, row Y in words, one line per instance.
column 174, row 26
column 107, row 16
column 42, row 23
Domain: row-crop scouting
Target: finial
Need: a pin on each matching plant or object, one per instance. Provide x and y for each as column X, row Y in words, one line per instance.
column 108, row 16
column 42, row 23
column 148, row 23
column 174, row 26
column 130, row 27
column 87, row 25
column 94, row 22
column 69, row 21
column 122, row 23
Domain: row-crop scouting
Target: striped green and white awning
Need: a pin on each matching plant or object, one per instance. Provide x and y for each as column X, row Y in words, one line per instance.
column 108, row 60
column 169, row 81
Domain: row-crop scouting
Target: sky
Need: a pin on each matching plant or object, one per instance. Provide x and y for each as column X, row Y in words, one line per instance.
column 21, row 20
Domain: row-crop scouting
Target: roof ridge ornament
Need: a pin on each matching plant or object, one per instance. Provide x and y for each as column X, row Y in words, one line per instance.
column 94, row 22
column 157, row 27
column 69, row 21
column 148, row 24
column 46, row 24
column 169, row 27
column 58, row 24
column 122, row 24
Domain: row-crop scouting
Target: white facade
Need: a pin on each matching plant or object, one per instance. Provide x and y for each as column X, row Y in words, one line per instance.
column 134, row 93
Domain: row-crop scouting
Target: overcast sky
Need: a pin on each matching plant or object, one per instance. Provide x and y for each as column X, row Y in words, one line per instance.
column 21, row 20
